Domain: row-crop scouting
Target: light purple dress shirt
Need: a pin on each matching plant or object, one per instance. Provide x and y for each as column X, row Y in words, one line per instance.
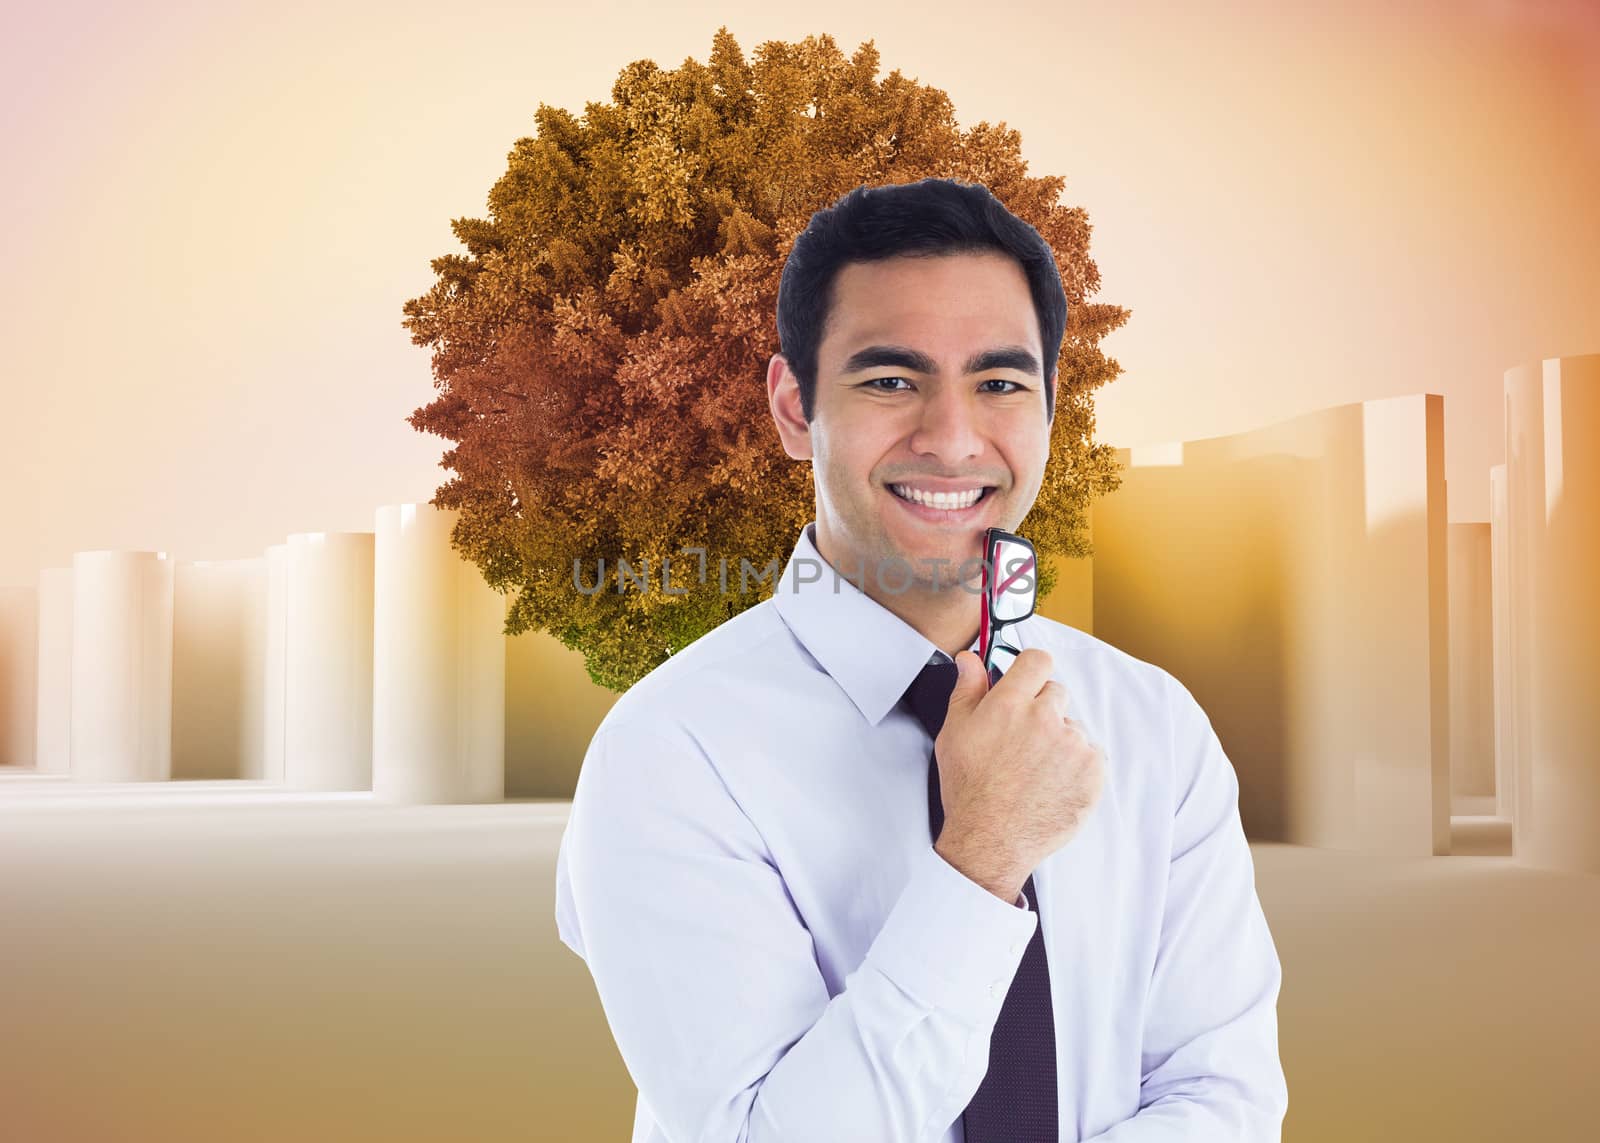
column 781, row 954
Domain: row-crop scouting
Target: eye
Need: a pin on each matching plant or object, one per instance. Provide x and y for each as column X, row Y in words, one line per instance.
column 885, row 384
column 1016, row 386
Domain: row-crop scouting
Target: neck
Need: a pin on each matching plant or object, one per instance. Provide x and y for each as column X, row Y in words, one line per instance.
column 945, row 614
column 948, row 619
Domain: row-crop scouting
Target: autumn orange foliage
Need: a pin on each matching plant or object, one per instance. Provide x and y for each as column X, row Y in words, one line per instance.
column 600, row 350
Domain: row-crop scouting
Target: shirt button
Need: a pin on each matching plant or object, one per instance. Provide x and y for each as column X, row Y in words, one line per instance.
column 994, row 990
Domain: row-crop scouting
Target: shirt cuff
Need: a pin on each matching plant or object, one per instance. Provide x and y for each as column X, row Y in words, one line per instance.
column 950, row 942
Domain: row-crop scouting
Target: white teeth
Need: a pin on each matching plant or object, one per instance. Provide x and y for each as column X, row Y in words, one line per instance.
column 948, row 501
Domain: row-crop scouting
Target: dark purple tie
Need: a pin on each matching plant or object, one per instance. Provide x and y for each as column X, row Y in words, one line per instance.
column 1016, row 1102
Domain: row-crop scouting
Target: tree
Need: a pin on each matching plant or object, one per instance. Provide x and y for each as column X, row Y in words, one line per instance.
column 600, row 350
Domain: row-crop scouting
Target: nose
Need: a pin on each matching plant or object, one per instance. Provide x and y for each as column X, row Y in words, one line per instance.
column 947, row 428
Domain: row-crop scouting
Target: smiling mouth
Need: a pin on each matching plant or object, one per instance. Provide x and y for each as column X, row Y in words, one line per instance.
column 950, row 503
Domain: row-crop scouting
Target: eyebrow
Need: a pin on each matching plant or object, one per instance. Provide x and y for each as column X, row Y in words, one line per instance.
column 900, row 357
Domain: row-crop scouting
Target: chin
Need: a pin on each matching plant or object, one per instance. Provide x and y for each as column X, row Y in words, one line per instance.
column 950, row 543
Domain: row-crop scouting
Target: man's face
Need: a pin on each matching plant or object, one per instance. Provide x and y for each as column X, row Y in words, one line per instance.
column 929, row 423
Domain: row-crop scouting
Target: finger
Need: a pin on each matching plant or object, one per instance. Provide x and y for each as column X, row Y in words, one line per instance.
column 1027, row 674
column 1082, row 733
column 971, row 682
column 1055, row 695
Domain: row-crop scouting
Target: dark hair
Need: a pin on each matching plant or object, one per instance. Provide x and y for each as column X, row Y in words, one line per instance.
column 932, row 216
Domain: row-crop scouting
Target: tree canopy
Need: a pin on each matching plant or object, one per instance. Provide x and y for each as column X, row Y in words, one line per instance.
column 600, row 348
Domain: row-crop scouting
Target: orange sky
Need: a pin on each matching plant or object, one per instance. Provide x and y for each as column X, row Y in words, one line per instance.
column 212, row 215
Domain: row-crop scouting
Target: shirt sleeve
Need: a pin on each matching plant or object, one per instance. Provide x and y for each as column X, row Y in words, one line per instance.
column 709, row 979
column 1211, row 1069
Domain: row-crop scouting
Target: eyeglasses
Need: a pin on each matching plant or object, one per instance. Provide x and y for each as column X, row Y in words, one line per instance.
column 1010, row 589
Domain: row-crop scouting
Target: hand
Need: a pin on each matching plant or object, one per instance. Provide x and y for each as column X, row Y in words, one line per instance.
column 1017, row 774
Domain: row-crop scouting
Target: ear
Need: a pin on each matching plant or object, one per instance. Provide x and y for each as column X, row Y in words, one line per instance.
column 783, row 398
column 1055, row 397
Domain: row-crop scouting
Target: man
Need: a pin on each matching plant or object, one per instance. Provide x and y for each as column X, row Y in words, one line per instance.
column 786, row 943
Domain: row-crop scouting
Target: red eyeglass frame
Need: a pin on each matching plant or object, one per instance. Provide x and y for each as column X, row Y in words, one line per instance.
column 993, row 585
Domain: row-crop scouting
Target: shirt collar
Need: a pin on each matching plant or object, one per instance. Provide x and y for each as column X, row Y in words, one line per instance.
column 871, row 652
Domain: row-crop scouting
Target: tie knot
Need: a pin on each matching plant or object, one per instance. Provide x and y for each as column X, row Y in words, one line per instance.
column 929, row 694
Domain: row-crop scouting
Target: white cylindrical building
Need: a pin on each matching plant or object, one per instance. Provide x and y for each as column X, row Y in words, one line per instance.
column 121, row 666
column 1564, row 740
column 275, row 638
column 439, row 656
column 327, row 713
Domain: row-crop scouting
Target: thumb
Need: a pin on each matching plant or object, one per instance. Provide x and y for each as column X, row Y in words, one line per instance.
column 971, row 682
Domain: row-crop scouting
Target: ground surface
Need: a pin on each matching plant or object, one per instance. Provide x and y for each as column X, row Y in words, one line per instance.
column 219, row 961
